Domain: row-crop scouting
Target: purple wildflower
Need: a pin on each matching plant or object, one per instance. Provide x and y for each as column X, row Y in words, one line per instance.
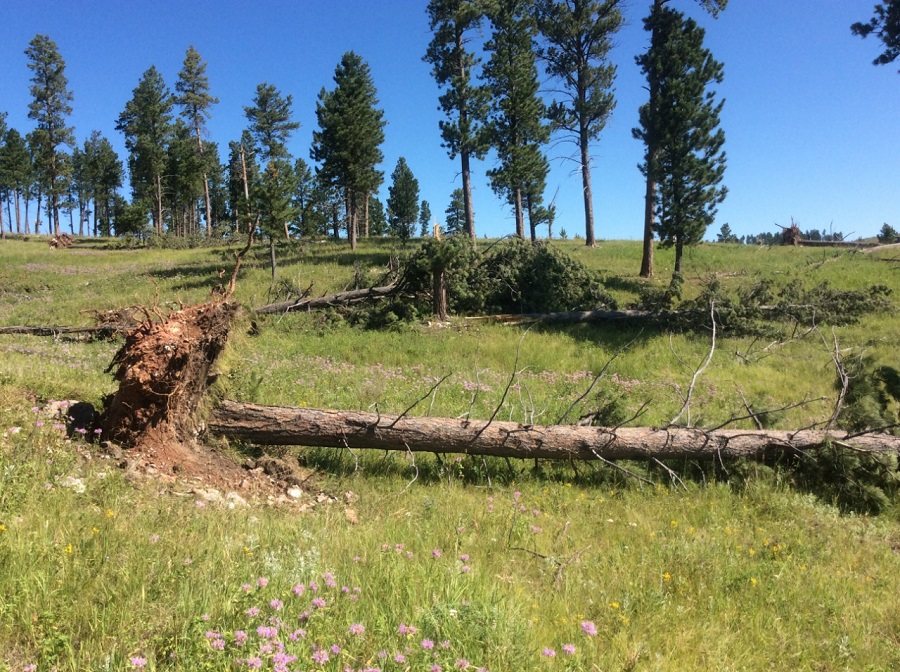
column 427, row 644
column 138, row 661
column 399, row 658
column 588, row 628
column 568, row 649
column 262, row 582
column 252, row 611
column 319, row 602
column 240, row 637
column 320, row 656
column 253, row 663
column 276, row 604
column 357, row 629
column 548, row 652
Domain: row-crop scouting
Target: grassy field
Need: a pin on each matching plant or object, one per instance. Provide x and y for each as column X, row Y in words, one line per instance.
column 437, row 564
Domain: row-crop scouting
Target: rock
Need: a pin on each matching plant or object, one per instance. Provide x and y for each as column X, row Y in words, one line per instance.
column 75, row 484
column 234, row 501
column 351, row 497
column 295, row 493
column 351, row 516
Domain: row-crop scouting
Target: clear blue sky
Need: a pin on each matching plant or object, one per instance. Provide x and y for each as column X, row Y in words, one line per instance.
column 812, row 127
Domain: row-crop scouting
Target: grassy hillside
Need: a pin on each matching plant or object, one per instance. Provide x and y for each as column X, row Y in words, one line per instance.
column 447, row 563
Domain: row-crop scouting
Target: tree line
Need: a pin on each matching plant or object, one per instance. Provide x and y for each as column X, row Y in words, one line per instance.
column 490, row 60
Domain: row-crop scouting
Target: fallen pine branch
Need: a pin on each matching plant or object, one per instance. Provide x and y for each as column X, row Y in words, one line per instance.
column 103, row 329
column 277, row 425
column 327, row 301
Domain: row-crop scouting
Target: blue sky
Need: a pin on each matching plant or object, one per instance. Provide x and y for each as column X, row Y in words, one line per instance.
column 811, row 126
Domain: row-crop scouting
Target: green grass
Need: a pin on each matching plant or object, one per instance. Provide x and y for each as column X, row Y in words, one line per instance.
column 748, row 575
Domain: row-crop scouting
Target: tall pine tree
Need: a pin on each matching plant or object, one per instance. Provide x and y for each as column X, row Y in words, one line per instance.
column 713, row 7
column 347, row 145
column 403, row 201
column 684, row 125
column 146, row 123
column 577, row 38
column 49, row 109
column 517, row 130
column 271, row 126
column 424, row 219
column 464, row 101
column 195, row 101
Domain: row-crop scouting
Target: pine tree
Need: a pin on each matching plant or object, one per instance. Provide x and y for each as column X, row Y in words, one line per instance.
column 105, row 173
column 516, row 126
column 403, row 201
column 146, row 123
column 195, row 102
column 713, row 7
column 888, row 235
column 578, row 37
column 347, row 145
column 884, row 25
column 455, row 214
column 465, row 102
column 49, row 110
column 5, row 181
column 378, row 220
column 684, row 124
column 270, row 122
column 271, row 126
column 424, row 219
column 16, row 171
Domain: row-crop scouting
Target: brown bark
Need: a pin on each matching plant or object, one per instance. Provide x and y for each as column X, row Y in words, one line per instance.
column 274, row 425
column 339, row 299
column 587, row 191
column 440, row 294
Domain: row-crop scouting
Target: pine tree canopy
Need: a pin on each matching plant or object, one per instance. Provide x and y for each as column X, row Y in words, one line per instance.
column 884, row 25
column 403, row 201
column 684, row 123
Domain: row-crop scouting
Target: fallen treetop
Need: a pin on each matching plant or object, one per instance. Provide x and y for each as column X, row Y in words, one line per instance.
column 278, row 425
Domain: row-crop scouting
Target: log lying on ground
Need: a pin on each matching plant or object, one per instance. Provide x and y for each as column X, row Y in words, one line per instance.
column 277, row 425
column 339, row 299
column 102, row 330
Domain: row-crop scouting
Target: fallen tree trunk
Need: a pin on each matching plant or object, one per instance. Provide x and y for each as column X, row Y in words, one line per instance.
column 329, row 300
column 277, row 425
column 103, row 330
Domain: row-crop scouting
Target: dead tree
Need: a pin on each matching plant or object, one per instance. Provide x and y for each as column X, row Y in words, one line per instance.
column 276, row 425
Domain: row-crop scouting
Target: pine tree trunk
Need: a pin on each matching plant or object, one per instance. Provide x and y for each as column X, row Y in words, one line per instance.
column 367, row 216
column 467, row 196
column 440, row 293
column 679, row 253
column 2, row 227
column 27, row 205
column 274, row 425
column 37, row 216
column 18, row 213
column 159, row 205
column 650, row 192
column 586, row 188
column 520, row 216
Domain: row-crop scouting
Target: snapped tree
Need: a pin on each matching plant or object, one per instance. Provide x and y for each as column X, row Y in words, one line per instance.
column 688, row 162
column 577, row 36
column 464, row 101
